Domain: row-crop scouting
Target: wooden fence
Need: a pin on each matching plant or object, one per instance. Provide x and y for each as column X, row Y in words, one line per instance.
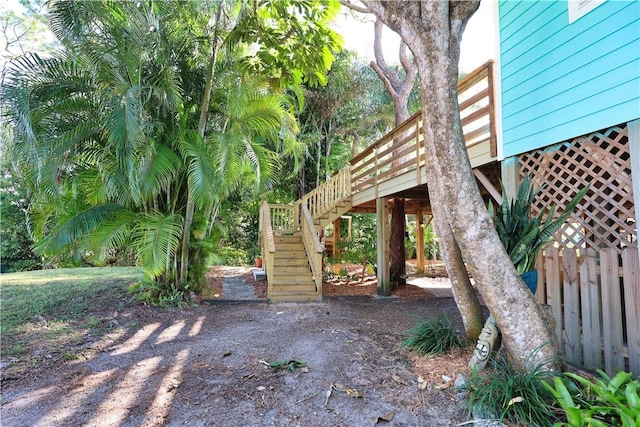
column 595, row 299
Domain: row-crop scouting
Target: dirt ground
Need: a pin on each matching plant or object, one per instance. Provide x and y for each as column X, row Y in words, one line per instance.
column 207, row 366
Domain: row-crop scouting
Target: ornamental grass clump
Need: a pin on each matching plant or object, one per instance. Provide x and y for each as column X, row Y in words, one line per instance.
column 511, row 395
column 432, row 336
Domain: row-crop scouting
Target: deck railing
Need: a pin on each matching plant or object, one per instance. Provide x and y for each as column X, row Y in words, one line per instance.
column 402, row 151
column 267, row 242
column 334, row 191
column 283, row 218
column 312, row 246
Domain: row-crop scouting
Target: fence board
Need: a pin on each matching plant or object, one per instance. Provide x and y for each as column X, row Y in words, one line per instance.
column 541, row 290
column 611, row 311
column 553, row 287
column 590, row 299
column 572, row 347
column 631, row 274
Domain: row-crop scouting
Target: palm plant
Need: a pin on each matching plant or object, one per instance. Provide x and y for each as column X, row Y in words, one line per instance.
column 109, row 141
column 522, row 234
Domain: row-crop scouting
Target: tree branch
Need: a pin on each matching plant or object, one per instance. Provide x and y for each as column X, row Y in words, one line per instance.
column 355, row 7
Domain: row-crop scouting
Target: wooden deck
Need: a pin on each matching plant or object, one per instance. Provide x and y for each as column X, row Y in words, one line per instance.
column 394, row 166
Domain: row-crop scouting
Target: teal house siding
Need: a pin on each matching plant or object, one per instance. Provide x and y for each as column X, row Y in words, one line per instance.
column 562, row 80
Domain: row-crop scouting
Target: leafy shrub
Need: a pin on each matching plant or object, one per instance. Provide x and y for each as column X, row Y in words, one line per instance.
column 229, row 256
column 604, row 401
column 432, row 336
column 508, row 394
column 159, row 294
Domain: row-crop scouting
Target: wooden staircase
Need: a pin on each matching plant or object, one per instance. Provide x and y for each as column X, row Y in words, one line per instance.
column 292, row 279
column 289, row 239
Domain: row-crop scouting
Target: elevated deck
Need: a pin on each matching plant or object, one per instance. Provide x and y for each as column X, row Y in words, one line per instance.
column 392, row 167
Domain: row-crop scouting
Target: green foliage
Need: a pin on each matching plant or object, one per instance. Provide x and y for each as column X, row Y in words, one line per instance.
column 508, row 394
column 290, row 364
column 160, row 294
column 107, row 136
column 290, row 42
column 431, row 246
column 15, row 241
column 522, row 234
column 229, row 256
column 432, row 336
column 605, row 401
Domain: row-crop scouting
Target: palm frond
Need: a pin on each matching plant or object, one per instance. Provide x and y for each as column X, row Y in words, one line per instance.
column 76, row 228
column 157, row 237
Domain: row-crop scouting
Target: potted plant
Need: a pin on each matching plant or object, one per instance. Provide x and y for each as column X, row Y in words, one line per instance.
column 258, row 261
column 522, row 234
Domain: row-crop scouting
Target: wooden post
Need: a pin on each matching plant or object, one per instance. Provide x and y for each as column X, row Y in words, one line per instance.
column 631, row 274
column 611, row 311
column 419, row 243
column 590, row 300
column 382, row 243
column 510, row 177
column 552, row 265
column 336, row 237
column 570, row 287
column 633, row 131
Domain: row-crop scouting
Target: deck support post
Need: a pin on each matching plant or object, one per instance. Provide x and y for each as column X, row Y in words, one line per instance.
column 633, row 132
column 510, row 176
column 419, row 243
column 336, row 237
column 382, row 243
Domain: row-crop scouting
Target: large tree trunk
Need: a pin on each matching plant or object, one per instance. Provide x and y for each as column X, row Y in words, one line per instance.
column 433, row 30
column 181, row 280
column 396, row 240
column 399, row 90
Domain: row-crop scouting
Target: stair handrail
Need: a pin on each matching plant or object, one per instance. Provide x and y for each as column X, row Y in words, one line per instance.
column 312, row 246
column 267, row 242
column 329, row 194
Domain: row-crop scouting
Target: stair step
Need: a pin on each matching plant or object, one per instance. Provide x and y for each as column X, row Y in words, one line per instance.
column 293, row 289
column 297, row 297
column 288, row 280
column 290, row 255
column 298, row 247
column 289, row 261
column 287, row 239
column 293, row 270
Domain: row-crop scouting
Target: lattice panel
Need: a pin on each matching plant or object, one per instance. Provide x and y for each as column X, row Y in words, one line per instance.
column 605, row 217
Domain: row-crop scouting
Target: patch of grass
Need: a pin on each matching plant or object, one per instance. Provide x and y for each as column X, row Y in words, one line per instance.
column 432, row 336
column 55, row 297
column 508, row 394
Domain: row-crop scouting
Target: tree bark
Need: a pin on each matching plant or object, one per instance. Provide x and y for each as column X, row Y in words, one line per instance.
column 433, row 30
column 399, row 90
column 202, row 123
column 396, row 240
